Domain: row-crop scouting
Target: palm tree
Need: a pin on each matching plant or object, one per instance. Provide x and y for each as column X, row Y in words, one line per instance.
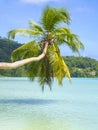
column 52, row 32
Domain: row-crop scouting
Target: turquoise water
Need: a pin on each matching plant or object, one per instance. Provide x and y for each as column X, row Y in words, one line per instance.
column 23, row 106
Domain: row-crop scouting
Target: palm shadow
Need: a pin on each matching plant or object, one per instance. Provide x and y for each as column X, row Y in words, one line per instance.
column 28, row 101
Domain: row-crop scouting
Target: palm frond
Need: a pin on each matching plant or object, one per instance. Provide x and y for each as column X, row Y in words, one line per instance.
column 60, row 68
column 62, row 30
column 23, row 32
column 65, row 16
column 53, row 16
column 64, row 35
column 74, row 43
column 34, row 25
column 45, row 73
column 25, row 51
column 42, row 70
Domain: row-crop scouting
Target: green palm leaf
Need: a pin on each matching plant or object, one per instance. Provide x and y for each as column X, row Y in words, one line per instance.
column 23, row 32
column 27, row 50
column 64, row 35
column 60, row 68
column 35, row 26
column 42, row 70
column 53, row 16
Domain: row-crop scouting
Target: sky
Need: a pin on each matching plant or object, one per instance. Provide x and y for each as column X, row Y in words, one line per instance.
column 84, row 20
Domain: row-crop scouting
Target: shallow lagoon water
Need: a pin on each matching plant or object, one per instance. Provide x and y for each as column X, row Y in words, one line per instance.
column 23, row 106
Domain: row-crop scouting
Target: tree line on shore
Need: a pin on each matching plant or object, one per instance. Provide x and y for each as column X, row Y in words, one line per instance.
column 78, row 66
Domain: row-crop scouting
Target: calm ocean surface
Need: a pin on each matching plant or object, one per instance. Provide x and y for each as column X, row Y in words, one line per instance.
column 23, row 106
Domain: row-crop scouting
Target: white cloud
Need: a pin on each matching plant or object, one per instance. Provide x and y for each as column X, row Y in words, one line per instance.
column 37, row 1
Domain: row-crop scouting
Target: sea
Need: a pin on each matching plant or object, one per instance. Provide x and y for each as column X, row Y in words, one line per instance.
column 24, row 106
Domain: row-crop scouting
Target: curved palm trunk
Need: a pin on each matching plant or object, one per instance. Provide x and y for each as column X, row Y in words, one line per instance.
column 5, row 65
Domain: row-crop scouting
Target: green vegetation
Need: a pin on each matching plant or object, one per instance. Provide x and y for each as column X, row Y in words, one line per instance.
column 79, row 66
column 6, row 48
column 82, row 66
column 50, row 33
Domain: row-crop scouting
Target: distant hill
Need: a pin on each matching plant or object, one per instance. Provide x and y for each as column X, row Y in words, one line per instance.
column 79, row 66
column 82, row 66
column 6, row 48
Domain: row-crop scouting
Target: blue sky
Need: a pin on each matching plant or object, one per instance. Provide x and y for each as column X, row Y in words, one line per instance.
column 84, row 14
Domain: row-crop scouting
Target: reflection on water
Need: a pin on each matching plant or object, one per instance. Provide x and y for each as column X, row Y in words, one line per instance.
column 24, row 107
